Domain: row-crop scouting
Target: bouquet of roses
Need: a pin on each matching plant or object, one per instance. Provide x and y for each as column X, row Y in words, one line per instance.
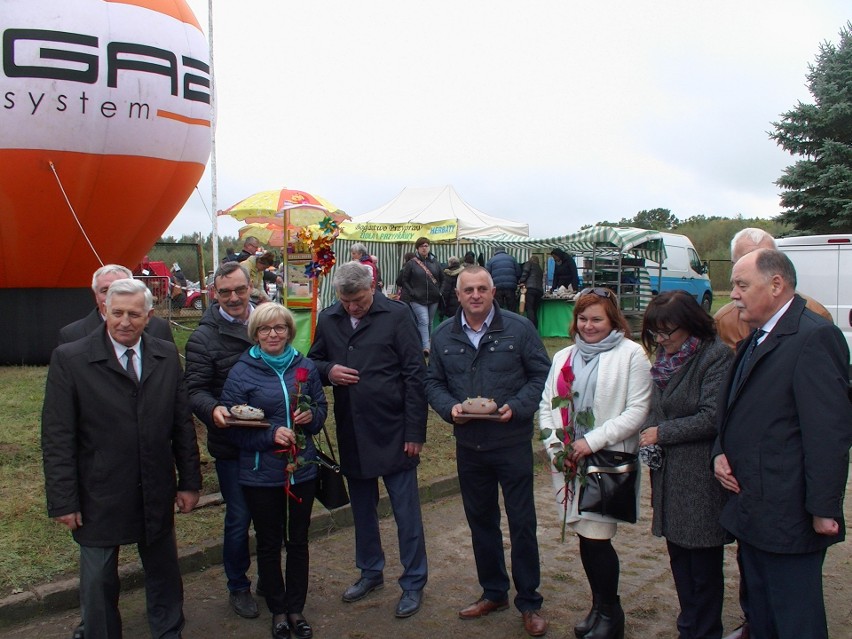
column 563, row 458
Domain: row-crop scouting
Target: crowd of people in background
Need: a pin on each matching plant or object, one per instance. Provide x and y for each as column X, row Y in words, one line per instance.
column 742, row 420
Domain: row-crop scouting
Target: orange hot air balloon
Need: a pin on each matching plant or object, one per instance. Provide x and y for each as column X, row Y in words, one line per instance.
column 104, row 132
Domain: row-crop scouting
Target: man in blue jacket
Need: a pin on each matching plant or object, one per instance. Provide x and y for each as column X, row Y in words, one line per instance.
column 505, row 272
column 485, row 351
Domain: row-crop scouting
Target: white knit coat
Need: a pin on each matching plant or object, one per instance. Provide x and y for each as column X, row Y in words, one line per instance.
column 621, row 404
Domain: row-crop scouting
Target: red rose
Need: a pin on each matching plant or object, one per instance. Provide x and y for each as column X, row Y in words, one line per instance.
column 302, row 375
column 568, row 373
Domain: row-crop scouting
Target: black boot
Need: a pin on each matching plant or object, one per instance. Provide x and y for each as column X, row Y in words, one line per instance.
column 591, row 619
column 610, row 624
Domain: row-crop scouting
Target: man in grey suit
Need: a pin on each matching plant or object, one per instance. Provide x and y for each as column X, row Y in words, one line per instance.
column 785, row 427
column 101, row 279
column 116, row 425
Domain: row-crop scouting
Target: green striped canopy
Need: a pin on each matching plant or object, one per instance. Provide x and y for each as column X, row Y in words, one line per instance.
column 594, row 242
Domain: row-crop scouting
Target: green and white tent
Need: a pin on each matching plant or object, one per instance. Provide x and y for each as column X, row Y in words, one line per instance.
column 609, row 245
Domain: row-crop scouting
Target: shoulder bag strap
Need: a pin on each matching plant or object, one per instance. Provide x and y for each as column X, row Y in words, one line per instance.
column 426, row 270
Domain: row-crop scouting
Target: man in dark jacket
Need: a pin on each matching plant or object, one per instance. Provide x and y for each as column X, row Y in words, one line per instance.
column 488, row 352
column 367, row 346
column 532, row 287
column 251, row 245
column 785, row 427
column 101, row 279
column 564, row 271
column 115, row 425
column 505, row 272
column 211, row 351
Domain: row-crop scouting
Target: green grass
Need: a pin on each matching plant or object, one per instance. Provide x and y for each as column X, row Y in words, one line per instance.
column 34, row 549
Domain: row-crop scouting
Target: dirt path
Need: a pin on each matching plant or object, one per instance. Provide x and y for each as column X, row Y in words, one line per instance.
column 646, row 588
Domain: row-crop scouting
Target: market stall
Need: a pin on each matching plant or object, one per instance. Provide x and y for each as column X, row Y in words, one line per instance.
column 304, row 227
column 610, row 256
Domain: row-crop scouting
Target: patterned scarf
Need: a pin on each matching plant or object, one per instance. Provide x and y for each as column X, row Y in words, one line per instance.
column 665, row 367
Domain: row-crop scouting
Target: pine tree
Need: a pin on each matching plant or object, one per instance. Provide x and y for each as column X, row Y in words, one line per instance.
column 818, row 188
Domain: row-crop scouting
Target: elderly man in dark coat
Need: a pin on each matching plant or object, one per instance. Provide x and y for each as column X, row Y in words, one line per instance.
column 785, row 427
column 101, row 279
column 368, row 347
column 115, row 424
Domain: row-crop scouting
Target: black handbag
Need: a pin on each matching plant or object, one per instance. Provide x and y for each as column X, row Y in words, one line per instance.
column 610, row 487
column 331, row 487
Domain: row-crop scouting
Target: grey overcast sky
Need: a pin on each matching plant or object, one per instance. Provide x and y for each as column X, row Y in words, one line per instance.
column 554, row 112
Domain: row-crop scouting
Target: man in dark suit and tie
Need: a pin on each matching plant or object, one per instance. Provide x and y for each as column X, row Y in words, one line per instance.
column 101, row 279
column 785, row 427
column 116, row 423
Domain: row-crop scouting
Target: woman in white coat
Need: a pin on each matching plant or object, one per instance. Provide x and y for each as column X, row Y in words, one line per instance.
column 606, row 376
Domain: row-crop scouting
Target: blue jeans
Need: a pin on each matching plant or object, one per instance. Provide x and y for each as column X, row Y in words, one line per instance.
column 425, row 315
column 236, row 558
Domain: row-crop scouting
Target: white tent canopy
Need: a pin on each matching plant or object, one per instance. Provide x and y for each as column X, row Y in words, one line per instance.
column 428, row 205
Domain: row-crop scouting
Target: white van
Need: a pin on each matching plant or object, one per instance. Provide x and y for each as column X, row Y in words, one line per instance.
column 682, row 270
column 824, row 271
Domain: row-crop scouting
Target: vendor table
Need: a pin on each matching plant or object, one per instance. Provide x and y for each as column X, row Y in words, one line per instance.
column 554, row 317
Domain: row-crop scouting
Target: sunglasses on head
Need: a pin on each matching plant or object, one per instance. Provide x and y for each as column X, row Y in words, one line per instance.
column 600, row 292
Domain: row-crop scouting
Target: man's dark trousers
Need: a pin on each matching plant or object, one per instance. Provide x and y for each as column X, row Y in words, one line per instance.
column 481, row 473
column 100, row 586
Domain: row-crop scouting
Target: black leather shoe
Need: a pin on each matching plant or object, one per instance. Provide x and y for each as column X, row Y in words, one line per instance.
column 409, row 603
column 363, row 587
column 244, row 604
column 78, row 632
column 300, row 627
column 280, row 629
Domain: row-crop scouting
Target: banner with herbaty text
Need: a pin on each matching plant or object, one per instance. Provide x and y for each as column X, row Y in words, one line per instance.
column 442, row 230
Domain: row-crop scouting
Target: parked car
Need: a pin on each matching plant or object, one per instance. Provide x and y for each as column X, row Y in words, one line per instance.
column 193, row 299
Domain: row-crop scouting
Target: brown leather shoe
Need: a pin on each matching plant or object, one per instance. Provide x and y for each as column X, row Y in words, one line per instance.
column 482, row 607
column 534, row 623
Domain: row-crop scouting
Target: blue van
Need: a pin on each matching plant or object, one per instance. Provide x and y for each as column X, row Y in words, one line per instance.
column 682, row 270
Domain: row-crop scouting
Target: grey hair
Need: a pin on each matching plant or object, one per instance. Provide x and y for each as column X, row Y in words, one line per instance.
column 130, row 287
column 351, row 278
column 108, row 269
column 754, row 235
column 772, row 262
column 358, row 247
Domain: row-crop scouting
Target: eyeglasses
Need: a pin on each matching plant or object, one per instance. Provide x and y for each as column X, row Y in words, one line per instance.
column 600, row 292
column 663, row 335
column 227, row 292
column 280, row 329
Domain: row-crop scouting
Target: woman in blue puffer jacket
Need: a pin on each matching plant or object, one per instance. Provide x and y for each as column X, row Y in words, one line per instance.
column 279, row 486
